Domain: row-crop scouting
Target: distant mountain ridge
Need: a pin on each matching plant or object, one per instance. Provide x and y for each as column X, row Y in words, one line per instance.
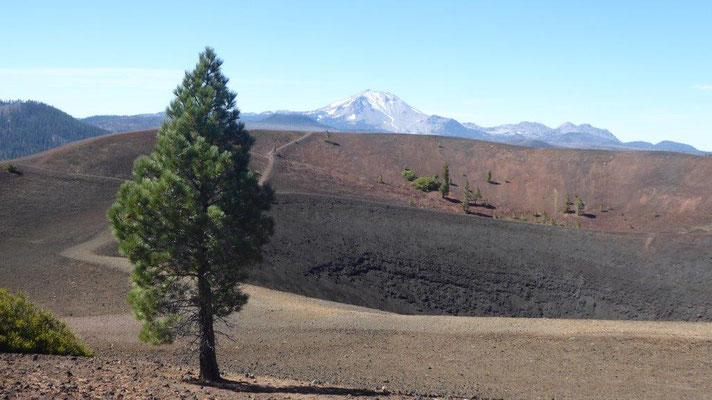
column 28, row 127
column 374, row 111
column 126, row 123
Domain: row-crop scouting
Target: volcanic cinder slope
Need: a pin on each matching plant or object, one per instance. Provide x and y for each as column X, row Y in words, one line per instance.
column 334, row 243
column 624, row 191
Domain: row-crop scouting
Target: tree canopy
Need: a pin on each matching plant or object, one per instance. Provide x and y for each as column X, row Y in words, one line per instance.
column 193, row 220
column 28, row 127
column 445, row 186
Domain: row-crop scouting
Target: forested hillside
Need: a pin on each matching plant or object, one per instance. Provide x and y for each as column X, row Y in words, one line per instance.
column 28, row 127
column 126, row 123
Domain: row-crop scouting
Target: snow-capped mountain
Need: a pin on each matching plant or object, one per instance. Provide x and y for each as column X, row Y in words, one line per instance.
column 528, row 130
column 374, row 111
column 437, row 125
column 371, row 111
column 603, row 134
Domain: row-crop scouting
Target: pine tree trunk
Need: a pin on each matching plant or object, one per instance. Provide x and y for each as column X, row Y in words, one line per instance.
column 208, row 360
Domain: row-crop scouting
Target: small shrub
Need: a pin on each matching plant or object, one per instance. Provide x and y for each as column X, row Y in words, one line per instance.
column 577, row 225
column 327, row 139
column 489, row 177
column 12, row 168
column 24, row 328
column 409, row 175
column 380, row 179
column 426, row 183
column 411, row 202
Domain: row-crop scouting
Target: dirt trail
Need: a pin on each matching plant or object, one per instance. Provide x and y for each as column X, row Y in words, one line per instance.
column 271, row 155
column 68, row 174
column 87, row 252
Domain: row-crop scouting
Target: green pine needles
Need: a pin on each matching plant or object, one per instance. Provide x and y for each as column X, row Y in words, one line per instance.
column 193, row 220
column 445, row 186
column 466, row 198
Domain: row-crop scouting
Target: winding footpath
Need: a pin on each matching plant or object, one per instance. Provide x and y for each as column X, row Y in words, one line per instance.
column 267, row 173
column 68, row 174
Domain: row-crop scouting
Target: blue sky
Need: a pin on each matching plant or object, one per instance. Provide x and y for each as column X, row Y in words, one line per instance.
column 642, row 69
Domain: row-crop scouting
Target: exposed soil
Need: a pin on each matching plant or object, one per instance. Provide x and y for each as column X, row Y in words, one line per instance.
column 631, row 191
column 54, row 246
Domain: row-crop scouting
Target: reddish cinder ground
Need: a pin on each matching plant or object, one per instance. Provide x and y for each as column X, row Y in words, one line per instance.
column 623, row 191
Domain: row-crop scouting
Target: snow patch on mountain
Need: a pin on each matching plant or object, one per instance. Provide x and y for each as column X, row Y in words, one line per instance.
column 371, row 110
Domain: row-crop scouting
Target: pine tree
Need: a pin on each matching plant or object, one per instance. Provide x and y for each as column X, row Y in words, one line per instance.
column 489, row 177
column 466, row 197
column 477, row 195
column 445, row 186
column 567, row 204
column 193, row 220
column 580, row 206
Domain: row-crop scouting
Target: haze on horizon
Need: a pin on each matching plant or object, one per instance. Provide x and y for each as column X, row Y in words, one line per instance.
column 642, row 70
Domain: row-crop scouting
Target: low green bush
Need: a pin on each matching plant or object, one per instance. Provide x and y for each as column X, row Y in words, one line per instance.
column 426, row 183
column 25, row 328
column 12, row 168
column 409, row 175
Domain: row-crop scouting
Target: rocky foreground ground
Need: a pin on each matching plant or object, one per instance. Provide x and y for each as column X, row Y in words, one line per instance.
column 60, row 377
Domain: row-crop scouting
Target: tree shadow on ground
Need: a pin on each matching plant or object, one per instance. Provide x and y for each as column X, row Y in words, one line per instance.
column 456, row 201
column 478, row 214
column 246, row 387
column 487, row 206
column 589, row 216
